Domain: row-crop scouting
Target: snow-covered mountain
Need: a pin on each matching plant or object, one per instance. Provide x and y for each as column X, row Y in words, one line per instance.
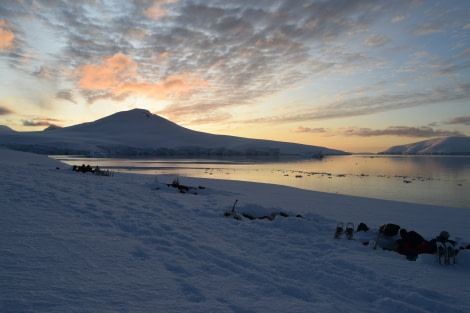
column 139, row 133
column 447, row 145
column 6, row 130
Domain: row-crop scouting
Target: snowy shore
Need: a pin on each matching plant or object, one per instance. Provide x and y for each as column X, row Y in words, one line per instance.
column 78, row 242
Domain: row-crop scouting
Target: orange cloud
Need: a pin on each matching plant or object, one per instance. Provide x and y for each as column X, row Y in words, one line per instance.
column 113, row 71
column 157, row 11
column 175, row 85
column 118, row 75
column 6, row 36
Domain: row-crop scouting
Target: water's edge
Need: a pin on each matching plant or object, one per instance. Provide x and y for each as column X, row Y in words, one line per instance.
column 434, row 180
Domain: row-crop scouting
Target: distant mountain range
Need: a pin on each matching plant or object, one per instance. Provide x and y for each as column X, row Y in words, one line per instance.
column 139, row 133
column 437, row 146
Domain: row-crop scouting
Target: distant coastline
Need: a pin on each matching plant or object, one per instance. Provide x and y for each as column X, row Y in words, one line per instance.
column 424, row 154
column 437, row 146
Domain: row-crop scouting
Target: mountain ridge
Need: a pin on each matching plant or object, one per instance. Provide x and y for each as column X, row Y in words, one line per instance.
column 5, row 129
column 138, row 132
column 454, row 145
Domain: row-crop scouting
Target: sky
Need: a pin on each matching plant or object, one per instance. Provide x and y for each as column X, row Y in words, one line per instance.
column 354, row 75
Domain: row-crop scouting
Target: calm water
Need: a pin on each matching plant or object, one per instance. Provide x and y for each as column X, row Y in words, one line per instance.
column 437, row 180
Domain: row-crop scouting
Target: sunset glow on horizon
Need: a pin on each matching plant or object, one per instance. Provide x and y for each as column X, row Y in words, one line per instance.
column 358, row 76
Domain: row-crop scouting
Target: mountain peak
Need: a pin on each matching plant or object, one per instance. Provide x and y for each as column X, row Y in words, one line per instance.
column 133, row 123
column 139, row 132
column 136, row 112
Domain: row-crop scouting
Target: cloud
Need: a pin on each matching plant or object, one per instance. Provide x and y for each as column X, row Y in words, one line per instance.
column 6, row 36
column 427, row 29
column 193, row 115
column 367, row 105
column 302, row 129
column 420, row 54
column 111, row 72
column 200, row 113
column 65, row 95
column 35, row 123
column 244, row 50
column 206, row 58
column 95, row 95
column 397, row 19
column 174, row 85
column 118, row 77
column 157, row 10
column 42, row 73
column 400, row 131
column 41, row 122
column 460, row 120
column 375, row 41
column 5, row 111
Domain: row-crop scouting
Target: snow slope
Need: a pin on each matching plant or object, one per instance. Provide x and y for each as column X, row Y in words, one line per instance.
column 447, row 145
column 77, row 242
column 138, row 132
column 6, row 130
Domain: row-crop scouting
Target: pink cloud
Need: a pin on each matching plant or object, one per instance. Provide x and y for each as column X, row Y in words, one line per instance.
column 118, row 76
column 6, row 36
column 157, row 11
column 112, row 72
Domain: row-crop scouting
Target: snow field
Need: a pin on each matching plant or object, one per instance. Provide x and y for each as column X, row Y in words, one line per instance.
column 74, row 242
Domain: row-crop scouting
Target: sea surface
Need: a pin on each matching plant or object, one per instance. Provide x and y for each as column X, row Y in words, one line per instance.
column 434, row 180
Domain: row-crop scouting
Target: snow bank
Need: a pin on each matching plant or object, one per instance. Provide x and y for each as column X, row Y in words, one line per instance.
column 77, row 242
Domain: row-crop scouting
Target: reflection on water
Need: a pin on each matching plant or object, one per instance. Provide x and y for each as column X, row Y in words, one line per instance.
column 437, row 180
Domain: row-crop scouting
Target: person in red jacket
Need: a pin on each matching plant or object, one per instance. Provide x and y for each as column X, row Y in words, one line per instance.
column 411, row 244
